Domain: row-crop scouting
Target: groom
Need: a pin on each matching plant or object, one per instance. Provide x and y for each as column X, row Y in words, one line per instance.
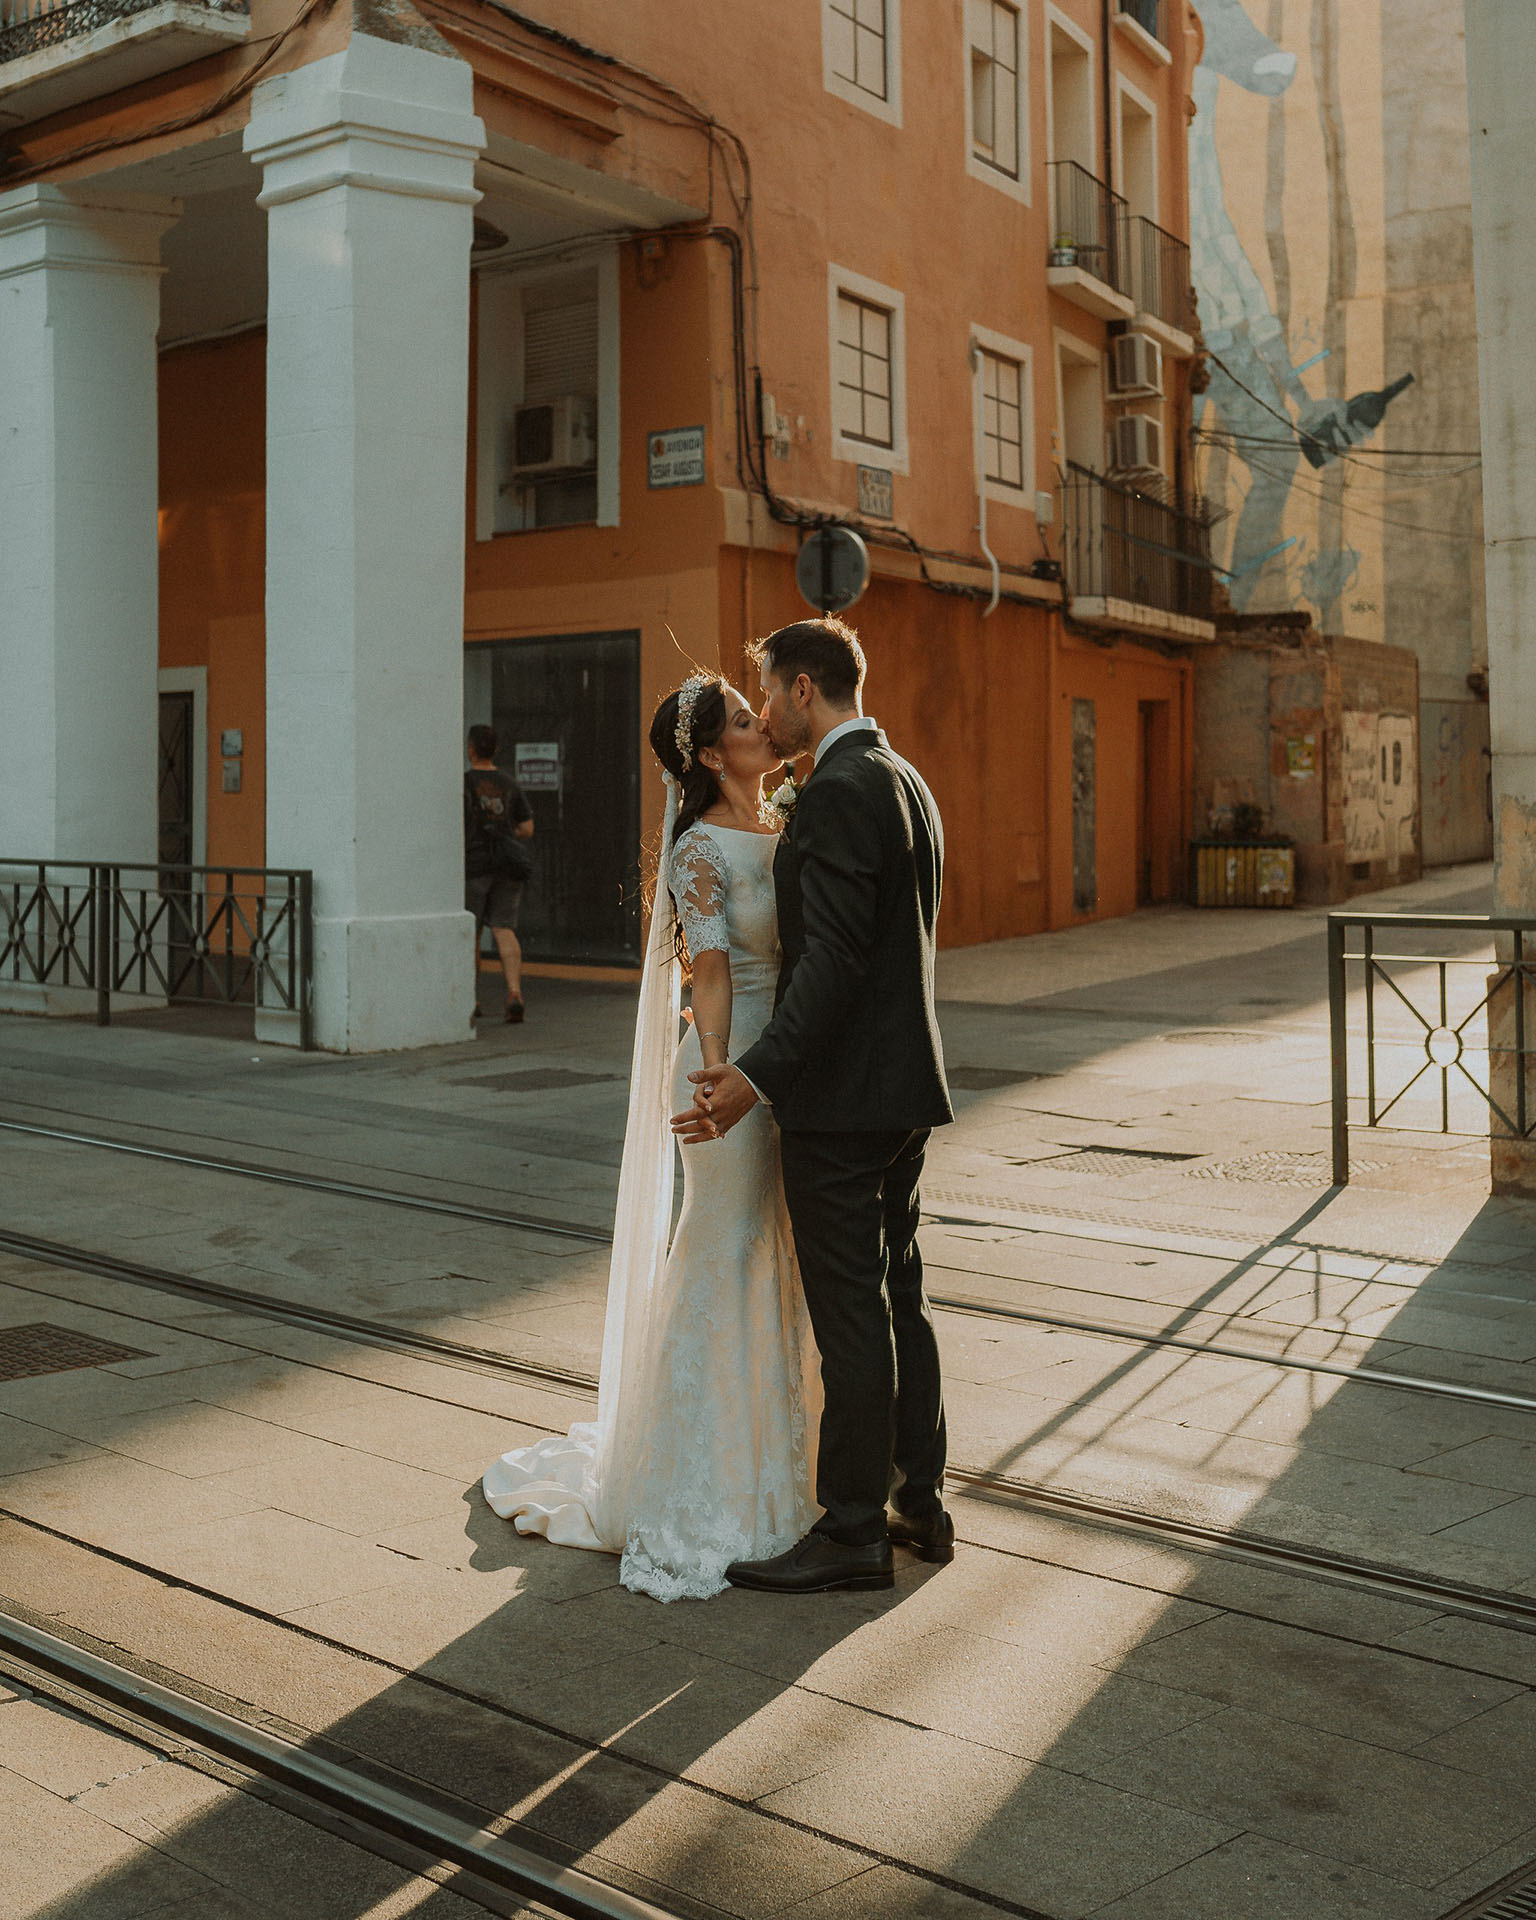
column 852, row 1067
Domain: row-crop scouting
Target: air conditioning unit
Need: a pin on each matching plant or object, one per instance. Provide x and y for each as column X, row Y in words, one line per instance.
column 1138, row 366
column 1138, row 443
column 555, row 435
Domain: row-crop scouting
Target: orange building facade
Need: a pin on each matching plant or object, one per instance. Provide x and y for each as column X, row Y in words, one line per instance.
column 914, row 266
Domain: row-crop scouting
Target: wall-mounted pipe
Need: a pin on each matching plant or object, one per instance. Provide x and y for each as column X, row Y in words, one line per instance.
column 979, row 437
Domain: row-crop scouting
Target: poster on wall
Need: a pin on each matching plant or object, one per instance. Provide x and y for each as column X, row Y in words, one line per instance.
column 1381, row 786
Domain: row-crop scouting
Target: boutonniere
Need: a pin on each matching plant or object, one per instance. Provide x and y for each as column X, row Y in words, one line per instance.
column 779, row 808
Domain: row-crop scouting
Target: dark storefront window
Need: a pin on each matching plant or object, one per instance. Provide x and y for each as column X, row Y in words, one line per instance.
column 567, row 713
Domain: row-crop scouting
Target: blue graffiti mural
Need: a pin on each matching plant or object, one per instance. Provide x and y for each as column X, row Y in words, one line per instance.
column 1268, row 420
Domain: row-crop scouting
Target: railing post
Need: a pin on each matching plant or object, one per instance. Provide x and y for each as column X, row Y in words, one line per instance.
column 306, row 961
column 1338, row 1050
column 102, row 879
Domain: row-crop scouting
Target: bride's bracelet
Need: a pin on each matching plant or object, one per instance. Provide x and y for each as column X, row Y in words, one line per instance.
column 705, row 1034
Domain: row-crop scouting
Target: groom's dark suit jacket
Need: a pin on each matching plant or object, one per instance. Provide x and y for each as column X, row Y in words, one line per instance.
column 853, row 1045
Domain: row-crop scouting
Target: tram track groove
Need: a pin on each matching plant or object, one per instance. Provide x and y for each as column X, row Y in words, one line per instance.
column 997, row 1310
column 1488, row 1606
column 14, row 1615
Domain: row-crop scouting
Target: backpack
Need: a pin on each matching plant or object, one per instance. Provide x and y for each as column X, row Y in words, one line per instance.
column 489, row 841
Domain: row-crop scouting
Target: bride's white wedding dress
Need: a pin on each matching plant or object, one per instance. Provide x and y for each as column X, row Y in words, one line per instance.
column 703, row 1450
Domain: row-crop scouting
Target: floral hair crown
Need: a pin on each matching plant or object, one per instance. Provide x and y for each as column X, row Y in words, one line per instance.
column 687, row 699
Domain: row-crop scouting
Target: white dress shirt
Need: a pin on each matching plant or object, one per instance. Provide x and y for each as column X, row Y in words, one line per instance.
column 860, row 723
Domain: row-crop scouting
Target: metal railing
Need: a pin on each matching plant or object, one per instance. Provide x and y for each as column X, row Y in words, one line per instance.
column 1123, row 544
column 26, row 26
column 1462, row 1046
column 1162, row 282
column 1147, row 14
column 1089, row 218
column 216, row 936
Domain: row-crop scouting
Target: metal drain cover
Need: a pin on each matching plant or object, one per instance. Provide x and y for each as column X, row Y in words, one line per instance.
column 1212, row 1037
column 40, row 1348
column 1512, row 1898
column 1278, row 1169
column 1115, row 1162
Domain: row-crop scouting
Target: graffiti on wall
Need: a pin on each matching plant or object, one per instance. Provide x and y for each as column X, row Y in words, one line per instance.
column 1265, row 435
column 1381, row 786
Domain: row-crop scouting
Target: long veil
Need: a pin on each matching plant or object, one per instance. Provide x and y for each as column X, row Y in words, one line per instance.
column 643, row 1222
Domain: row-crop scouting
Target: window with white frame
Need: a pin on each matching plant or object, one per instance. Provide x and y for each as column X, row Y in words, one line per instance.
column 993, row 27
column 863, row 374
column 1005, row 424
column 1002, row 419
column 861, row 54
column 547, row 417
column 868, row 381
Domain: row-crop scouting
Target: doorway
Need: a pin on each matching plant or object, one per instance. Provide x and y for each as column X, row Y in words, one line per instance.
column 1154, row 841
column 566, row 710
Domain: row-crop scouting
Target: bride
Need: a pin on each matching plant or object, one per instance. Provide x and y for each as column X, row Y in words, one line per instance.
column 701, row 1453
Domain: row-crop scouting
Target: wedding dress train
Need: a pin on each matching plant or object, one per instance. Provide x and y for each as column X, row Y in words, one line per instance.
column 702, row 1452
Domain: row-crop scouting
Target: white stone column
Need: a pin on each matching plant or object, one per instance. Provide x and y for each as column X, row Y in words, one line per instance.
column 368, row 159
column 1501, row 85
column 79, row 495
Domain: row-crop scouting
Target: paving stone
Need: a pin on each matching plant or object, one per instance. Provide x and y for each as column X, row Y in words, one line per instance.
column 885, row 1893
column 1511, row 1527
column 116, row 1502
column 1050, row 1840
column 1401, row 1814
column 1498, row 1461
column 1255, row 1879
column 1318, row 1680
column 65, row 1753
column 276, row 1561
column 25, row 1446
column 1474, row 1644
column 1500, row 1743
column 355, row 1493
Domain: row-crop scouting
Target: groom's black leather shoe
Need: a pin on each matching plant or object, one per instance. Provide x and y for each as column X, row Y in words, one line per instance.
column 931, row 1536
column 817, row 1564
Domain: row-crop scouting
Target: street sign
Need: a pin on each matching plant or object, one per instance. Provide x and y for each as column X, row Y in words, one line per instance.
column 675, row 458
column 832, row 570
column 876, row 497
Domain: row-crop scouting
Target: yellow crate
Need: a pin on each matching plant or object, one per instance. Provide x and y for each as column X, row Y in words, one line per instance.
column 1245, row 876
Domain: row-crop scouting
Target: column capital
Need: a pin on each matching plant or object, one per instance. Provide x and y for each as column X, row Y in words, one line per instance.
column 82, row 227
column 379, row 114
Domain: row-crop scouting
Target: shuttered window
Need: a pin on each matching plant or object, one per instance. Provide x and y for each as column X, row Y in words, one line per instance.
column 559, row 351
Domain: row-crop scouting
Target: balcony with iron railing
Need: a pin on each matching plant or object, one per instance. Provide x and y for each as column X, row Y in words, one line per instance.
column 56, row 54
column 1088, row 262
column 1132, row 559
column 1161, row 284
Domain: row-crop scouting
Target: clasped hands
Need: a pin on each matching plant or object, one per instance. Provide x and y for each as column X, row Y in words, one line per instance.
column 722, row 1095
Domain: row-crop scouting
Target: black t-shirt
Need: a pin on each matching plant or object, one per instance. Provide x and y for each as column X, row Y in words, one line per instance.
column 491, row 799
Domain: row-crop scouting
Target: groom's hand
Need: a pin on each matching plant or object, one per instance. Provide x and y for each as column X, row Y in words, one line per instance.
column 722, row 1095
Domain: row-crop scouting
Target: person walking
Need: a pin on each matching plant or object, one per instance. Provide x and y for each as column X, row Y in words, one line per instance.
column 498, row 824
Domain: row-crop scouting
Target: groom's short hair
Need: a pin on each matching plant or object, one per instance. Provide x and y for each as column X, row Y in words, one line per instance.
column 826, row 651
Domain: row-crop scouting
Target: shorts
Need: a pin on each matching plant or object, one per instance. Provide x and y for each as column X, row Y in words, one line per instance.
column 493, row 898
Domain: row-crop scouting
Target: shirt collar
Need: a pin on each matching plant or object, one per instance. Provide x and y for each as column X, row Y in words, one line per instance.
column 861, row 723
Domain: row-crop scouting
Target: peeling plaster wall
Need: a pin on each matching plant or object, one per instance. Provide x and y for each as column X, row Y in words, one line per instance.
column 1331, row 232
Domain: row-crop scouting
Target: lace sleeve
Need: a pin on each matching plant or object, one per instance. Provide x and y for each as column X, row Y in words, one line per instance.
column 699, row 877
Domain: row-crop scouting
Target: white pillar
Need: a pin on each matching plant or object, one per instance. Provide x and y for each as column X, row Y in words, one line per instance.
column 369, row 188
column 1501, row 85
column 79, row 493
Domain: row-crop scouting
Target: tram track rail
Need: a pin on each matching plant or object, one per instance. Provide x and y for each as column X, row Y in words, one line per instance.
column 572, row 1230
column 369, row 1811
column 1514, row 1611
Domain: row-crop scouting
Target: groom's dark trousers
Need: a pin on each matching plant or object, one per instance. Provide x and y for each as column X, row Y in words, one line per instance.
column 852, row 1065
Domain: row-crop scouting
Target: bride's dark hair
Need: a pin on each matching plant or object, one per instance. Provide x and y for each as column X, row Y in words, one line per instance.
column 699, row 789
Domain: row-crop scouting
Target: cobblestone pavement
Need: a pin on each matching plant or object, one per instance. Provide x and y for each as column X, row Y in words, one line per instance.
column 1071, row 1719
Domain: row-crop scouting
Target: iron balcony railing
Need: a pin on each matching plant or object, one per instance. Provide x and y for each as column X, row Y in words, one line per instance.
column 221, row 936
column 1147, row 14
column 1161, row 281
column 1440, row 1042
column 1123, row 544
column 1090, row 223
column 27, row 26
